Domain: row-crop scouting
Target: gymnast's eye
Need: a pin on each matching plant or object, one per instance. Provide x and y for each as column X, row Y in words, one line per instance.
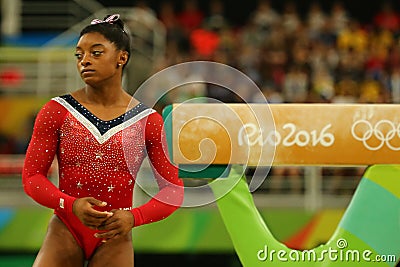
column 97, row 53
column 78, row 55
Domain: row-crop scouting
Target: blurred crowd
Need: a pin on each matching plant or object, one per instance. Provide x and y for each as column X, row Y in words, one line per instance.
column 317, row 56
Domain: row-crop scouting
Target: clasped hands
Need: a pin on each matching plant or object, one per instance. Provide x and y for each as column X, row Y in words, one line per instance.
column 112, row 224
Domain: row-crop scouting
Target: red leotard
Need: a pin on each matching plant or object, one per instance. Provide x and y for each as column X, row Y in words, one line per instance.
column 99, row 159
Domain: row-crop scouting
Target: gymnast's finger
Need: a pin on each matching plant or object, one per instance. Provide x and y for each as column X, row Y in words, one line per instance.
column 95, row 202
column 110, row 224
column 92, row 221
column 98, row 214
column 107, row 235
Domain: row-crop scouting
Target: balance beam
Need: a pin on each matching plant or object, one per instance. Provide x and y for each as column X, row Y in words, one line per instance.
column 283, row 134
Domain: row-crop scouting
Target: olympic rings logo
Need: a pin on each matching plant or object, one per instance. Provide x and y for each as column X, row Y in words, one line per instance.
column 376, row 132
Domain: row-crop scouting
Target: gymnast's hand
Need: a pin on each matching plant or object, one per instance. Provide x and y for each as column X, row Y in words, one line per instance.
column 119, row 224
column 84, row 209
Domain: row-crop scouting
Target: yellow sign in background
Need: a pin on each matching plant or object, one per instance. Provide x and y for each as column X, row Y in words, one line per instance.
column 286, row 134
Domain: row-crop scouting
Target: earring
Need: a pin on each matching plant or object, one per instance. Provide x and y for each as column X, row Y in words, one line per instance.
column 119, row 65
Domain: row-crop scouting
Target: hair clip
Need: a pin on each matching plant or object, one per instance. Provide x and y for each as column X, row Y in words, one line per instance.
column 111, row 19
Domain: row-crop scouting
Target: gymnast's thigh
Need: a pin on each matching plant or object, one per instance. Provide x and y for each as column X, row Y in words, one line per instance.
column 114, row 253
column 59, row 247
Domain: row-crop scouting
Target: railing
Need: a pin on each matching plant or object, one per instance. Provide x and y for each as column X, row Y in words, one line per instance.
column 11, row 191
column 58, row 15
column 51, row 69
column 275, row 192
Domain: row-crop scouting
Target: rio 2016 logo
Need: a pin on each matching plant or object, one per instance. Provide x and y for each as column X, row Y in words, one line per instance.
column 250, row 134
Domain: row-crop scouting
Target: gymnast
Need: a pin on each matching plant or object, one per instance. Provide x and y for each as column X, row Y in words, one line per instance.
column 100, row 135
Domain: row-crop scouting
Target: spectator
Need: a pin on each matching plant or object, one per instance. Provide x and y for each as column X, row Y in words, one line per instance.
column 216, row 19
column 168, row 17
column 316, row 20
column 371, row 91
column 387, row 18
column 264, row 17
column 346, row 91
column 191, row 17
column 339, row 17
column 290, row 17
column 296, row 84
column 353, row 37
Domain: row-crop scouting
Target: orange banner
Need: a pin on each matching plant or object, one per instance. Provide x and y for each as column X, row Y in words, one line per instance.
column 286, row 134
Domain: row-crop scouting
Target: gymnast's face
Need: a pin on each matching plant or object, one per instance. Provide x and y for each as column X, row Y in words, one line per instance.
column 98, row 59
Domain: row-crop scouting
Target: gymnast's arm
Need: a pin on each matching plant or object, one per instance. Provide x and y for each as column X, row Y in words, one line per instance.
column 39, row 157
column 171, row 190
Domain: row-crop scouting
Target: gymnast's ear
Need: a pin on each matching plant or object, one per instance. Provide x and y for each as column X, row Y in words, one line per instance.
column 123, row 57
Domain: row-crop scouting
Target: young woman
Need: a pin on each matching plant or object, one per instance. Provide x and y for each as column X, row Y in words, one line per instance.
column 100, row 144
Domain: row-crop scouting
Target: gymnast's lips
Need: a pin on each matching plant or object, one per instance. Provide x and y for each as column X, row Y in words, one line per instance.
column 86, row 71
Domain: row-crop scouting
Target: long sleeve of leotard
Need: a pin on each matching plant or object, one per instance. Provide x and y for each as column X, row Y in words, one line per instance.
column 170, row 195
column 39, row 157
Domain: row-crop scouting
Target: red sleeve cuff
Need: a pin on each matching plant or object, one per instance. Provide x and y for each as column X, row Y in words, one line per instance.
column 65, row 204
column 137, row 215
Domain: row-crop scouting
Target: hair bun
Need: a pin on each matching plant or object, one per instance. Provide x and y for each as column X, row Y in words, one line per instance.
column 115, row 19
